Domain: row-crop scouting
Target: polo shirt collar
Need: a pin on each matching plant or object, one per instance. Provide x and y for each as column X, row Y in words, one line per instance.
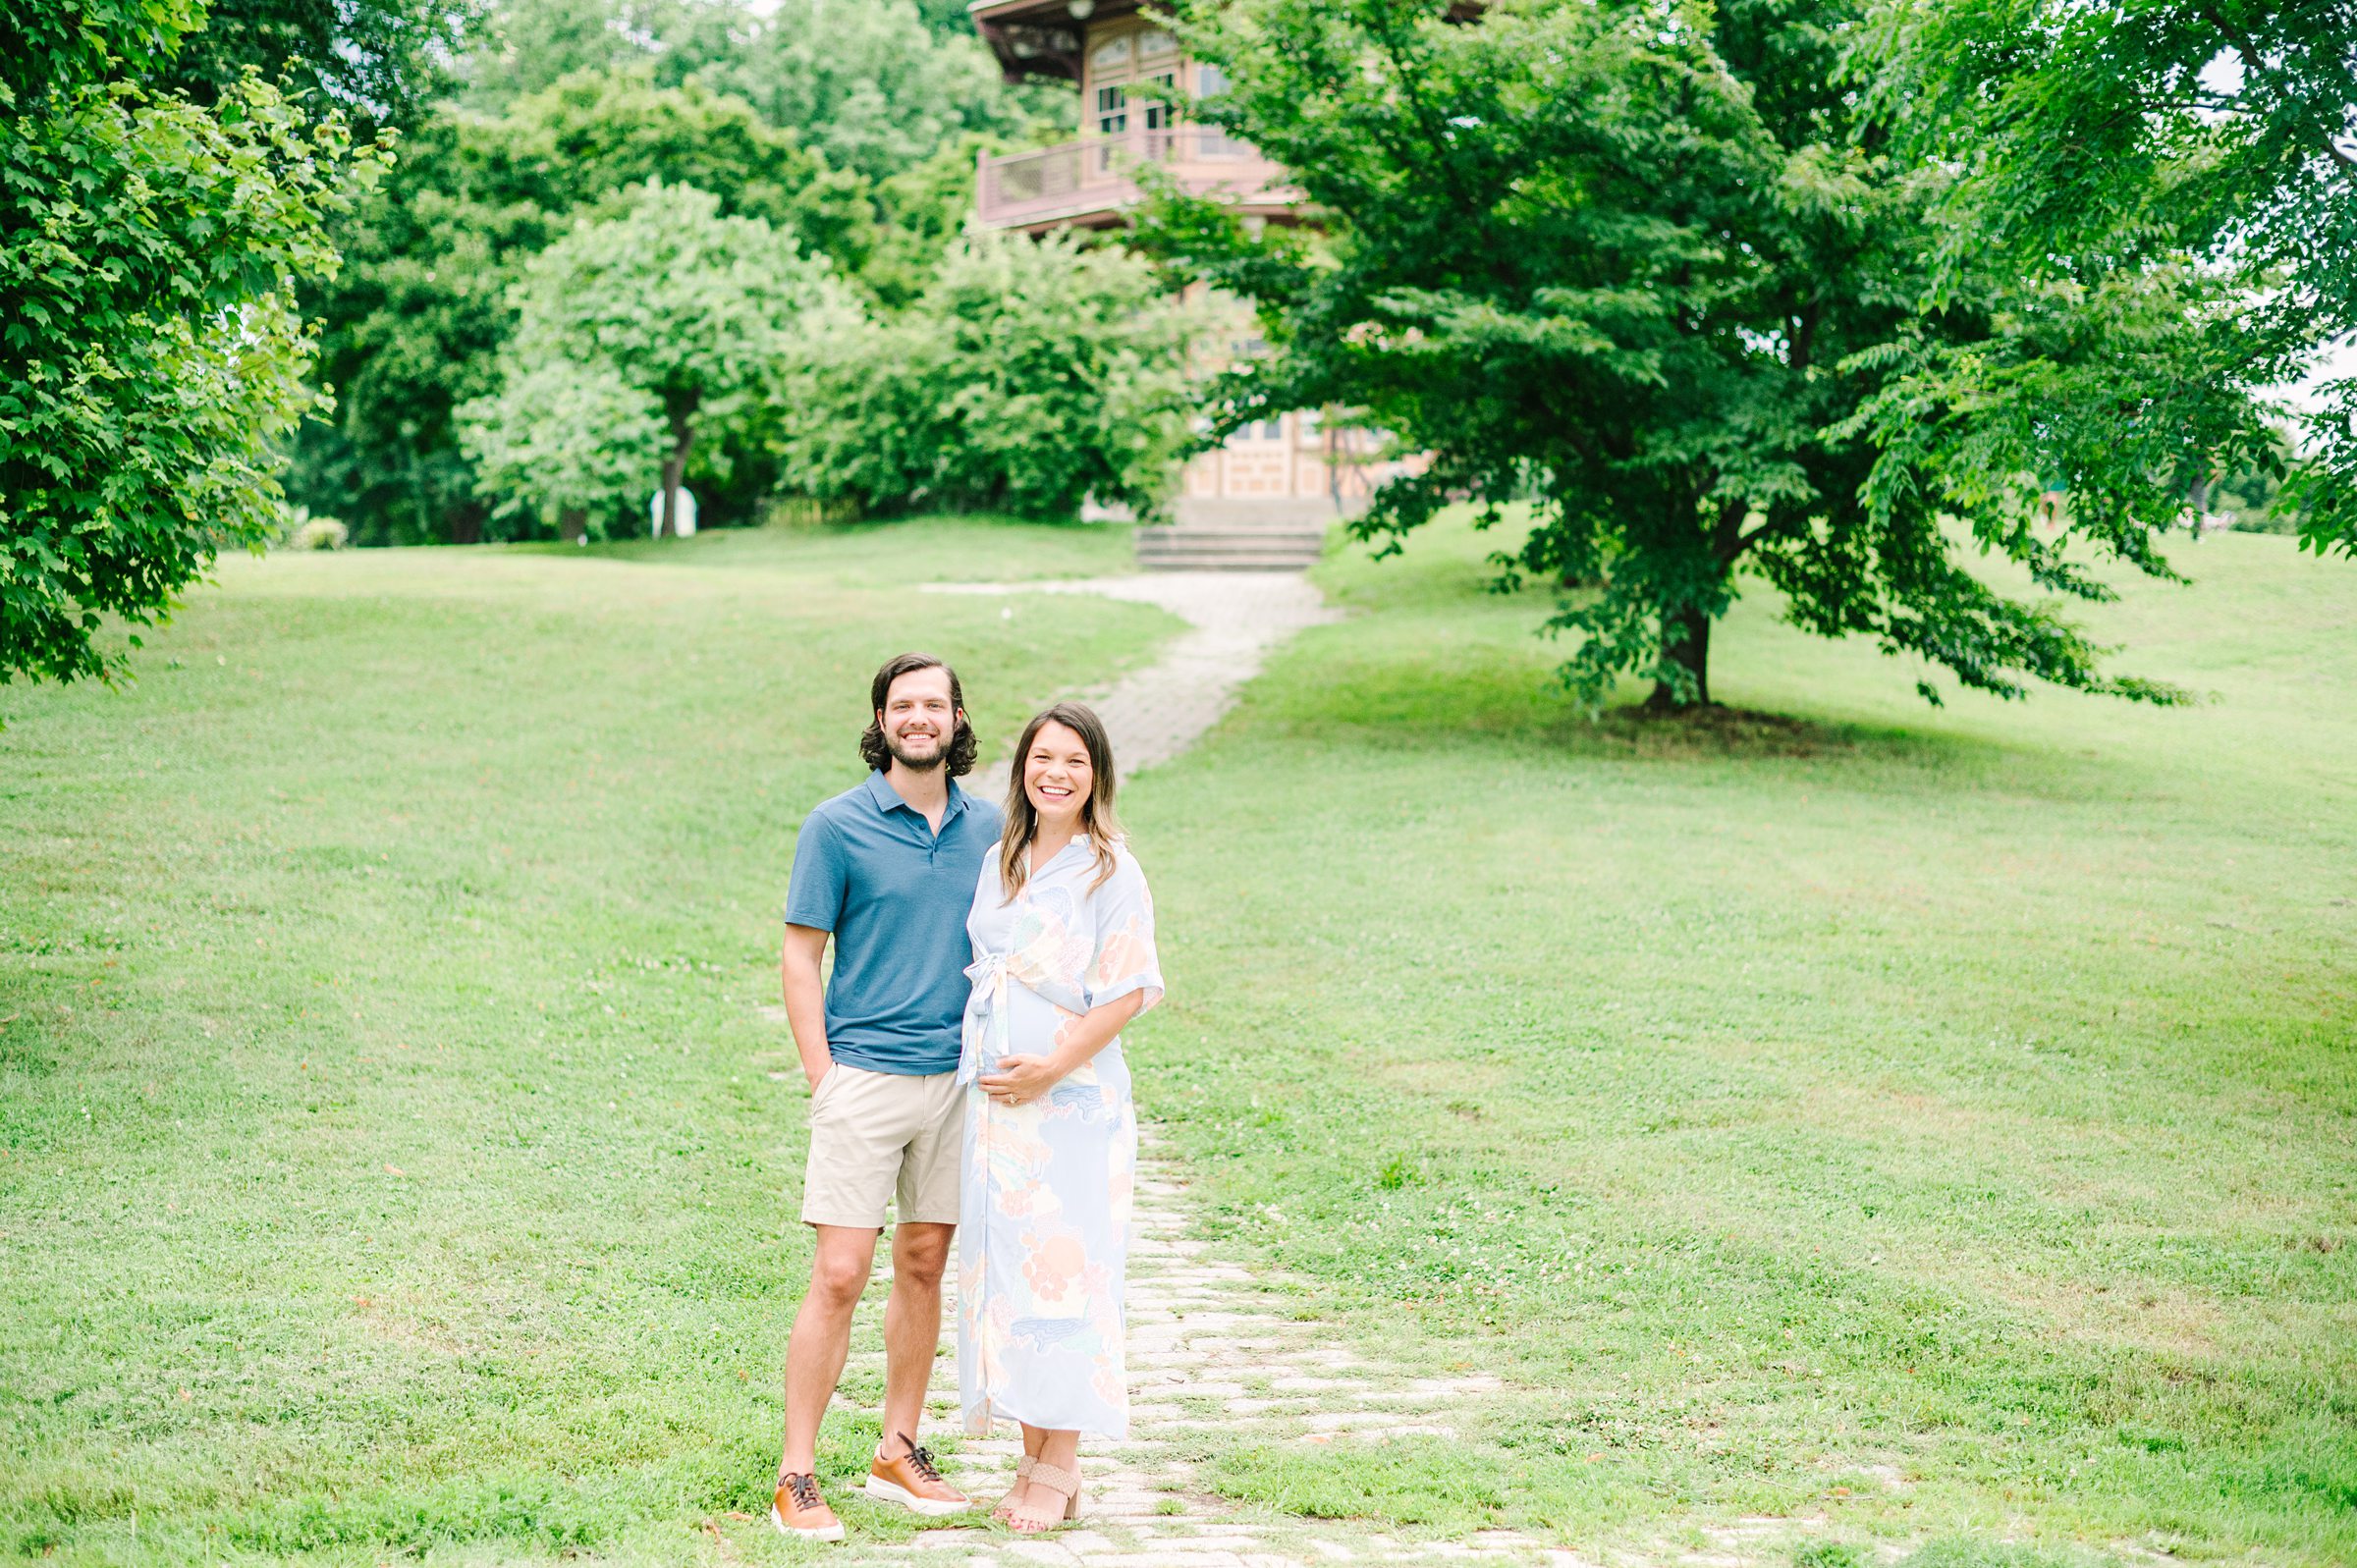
column 887, row 798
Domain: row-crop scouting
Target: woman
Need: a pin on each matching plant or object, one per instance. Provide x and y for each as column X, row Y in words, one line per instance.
column 1063, row 957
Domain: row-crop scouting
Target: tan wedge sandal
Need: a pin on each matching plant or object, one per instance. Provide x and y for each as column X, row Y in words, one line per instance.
column 1004, row 1508
column 1056, row 1479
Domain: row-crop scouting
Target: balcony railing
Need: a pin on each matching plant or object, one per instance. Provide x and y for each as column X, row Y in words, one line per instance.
column 1081, row 177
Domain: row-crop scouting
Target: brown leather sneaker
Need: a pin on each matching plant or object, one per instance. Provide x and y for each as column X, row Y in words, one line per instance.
column 799, row 1510
column 911, row 1482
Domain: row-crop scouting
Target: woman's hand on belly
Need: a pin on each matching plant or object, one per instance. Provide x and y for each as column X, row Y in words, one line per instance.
column 1020, row 1079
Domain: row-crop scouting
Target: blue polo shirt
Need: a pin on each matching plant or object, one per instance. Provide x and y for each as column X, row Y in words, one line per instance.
column 870, row 868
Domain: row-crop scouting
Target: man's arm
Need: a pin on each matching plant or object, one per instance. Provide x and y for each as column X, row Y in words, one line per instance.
column 806, row 999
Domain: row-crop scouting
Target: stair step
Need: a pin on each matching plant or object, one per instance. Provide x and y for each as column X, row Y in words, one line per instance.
column 1227, row 562
column 1219, row 547
column 1231, row 544
column 1296, row 557
column 1236, row 525
column 1251, row 537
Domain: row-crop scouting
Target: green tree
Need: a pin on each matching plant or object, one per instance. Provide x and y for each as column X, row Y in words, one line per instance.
column 698, row 312
column 576, row 440
column 527, row 46
column 2152, row 135
column 151, row 356
column 919, row 211
column 381, row 61
column 1644, row 263
column 1029, row 376
column 417, row 321
column 869, row 87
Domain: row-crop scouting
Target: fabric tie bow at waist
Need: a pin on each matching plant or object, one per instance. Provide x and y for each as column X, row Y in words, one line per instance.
column 985, row 1004
column 986, row 1020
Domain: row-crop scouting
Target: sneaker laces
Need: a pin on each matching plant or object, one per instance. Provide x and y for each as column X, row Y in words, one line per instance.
column 922, row 1460
column 804, row 1489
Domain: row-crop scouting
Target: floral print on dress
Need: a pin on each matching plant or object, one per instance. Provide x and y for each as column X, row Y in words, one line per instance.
column 1043, row 1233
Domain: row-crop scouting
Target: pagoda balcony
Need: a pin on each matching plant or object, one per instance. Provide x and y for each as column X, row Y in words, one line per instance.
column 1089, row 183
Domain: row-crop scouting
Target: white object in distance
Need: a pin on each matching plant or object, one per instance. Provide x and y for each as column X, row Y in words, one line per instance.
column 686, row 517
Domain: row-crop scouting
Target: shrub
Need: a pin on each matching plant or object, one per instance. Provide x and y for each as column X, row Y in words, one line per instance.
column 643, row 340
column 318, row 533
column 1029, row 376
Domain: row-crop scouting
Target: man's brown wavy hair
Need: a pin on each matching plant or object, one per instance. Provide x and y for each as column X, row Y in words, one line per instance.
column 958, row 757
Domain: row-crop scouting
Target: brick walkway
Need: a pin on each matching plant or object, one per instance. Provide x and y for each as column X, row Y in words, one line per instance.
column 1212, row 1347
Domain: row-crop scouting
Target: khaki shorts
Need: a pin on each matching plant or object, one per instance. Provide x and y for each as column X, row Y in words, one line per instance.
column 878, row 1136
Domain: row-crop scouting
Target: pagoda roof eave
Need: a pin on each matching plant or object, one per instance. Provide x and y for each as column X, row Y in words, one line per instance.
column 1040, row 38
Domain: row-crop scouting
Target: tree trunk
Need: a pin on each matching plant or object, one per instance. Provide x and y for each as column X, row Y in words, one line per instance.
column 682, row 434
column 1686, row 630
column 1685, row 643
column 572, row 525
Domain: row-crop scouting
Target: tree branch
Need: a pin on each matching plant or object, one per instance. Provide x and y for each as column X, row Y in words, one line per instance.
column 1729, row 541
column 1412, row 85
column 2238, row 38
column 1796, row 355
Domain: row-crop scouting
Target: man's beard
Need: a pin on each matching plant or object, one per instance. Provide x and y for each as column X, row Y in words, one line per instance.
column 941, row 754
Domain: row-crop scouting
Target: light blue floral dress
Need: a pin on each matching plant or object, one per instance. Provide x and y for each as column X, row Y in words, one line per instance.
column 1043, row 1229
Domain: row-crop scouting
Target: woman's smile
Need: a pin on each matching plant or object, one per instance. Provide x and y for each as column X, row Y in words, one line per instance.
column 1057, row 773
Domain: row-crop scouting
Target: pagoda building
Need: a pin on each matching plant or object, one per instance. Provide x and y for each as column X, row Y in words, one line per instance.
column 1264, row 497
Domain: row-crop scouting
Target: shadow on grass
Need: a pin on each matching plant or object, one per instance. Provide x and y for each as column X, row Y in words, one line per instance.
column 1716, row 730
column 1452, row 702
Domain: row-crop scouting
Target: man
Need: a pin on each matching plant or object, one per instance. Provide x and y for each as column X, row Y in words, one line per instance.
column 887, row 870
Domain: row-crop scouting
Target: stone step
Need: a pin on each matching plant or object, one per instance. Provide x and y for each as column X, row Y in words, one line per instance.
column 1231, row 531
column 1229, row 561
column 1155, row 549
column 1307, row 550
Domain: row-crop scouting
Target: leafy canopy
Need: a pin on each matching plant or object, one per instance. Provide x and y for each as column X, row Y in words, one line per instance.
column 1028, row 377
column 671, row 318
column 576, row 439
column 2095, row 141
column 421, row 315
column 869, row 86
column 380, row 61
column 1646, row 264
column 151, row 358
column 875, row 87
column 855, row 127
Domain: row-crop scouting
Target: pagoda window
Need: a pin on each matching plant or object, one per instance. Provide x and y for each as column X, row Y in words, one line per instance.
column 1113, row 123
column 1210, row 83
column 1161, row 114
column 1112, row 110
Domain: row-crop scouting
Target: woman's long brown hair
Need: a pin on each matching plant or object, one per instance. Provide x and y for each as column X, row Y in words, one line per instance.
column 1097, row 820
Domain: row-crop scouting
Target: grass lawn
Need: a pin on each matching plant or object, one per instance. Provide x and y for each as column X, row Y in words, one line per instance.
column 1939, row 1123
column 881, row 554
column 391, row 1151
